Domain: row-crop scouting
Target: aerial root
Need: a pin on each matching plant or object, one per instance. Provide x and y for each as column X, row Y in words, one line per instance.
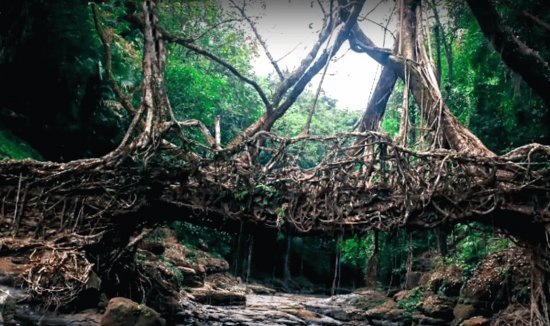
column 53, row 273
column 540, row 289
column 57, row 276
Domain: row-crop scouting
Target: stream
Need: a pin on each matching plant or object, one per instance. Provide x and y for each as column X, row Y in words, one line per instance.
column 260, row 310
column 281, row 309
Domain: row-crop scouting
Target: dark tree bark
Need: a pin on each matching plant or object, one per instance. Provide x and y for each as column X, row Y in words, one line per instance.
column 373, row 114
column 371, row 273
column 441, row 238
column 286, row 268
column 441, row 38
column 289, row 89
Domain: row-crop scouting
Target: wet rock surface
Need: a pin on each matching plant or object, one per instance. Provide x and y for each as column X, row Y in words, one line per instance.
column 188, row 286
column 279, row 309
column 125, row 312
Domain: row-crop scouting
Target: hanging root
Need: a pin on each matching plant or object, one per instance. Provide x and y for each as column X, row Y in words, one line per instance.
column 540, row 289
column 53, row 272
column 56, row 277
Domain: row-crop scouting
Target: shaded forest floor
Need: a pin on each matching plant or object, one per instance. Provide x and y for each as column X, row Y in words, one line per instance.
column 192, row 287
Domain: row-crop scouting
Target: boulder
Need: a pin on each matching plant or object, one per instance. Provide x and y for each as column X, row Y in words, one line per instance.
column 462, row 312
column 8, row 305
column 420, row 319
column 218, row 297
column 175, row 254
column 437, row 307
column 412, row 279
column 27, row 315
column 259, row 289
column 190, row 277
column 401, row 295
column 500, row 277
column 212, row 264
column 387, row 312
column 152, row 246
column 446, row 281
column 476, row 321
column 125, row 312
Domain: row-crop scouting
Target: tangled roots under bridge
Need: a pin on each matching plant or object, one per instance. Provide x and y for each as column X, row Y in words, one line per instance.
column 351, row 182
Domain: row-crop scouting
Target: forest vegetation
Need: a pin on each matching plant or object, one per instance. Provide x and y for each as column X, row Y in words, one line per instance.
column 125, row 124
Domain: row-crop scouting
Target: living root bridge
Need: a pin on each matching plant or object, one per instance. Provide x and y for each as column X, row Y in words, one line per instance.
column 361, row 182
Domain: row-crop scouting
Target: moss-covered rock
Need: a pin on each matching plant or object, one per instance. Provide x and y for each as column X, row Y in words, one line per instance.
column 125, row 312
column 501, row 279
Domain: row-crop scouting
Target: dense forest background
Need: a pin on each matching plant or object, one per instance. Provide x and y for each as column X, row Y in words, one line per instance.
column 57, row 104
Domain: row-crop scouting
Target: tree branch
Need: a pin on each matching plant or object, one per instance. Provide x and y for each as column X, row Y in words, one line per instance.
column 259, row 38
column 195, row 48
column 516, row 54
column 291, row 80
column 446, row 45
column 342, row 36
column 105, row 40
column 299, row 79
column 188, row 43
column 423, row 88
column 372, row 116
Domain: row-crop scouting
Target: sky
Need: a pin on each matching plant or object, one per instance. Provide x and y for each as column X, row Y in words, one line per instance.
column 290, row 29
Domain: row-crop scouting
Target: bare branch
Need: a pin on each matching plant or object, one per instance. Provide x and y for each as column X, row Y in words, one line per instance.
column 298, row 80
column 385, row 28
column 305, row 130
column 341, row 37
column 188, row 43
column 205, row 132
column 213, row 28
column 106, row 41
column 422, row 86
column 195, row 48
column 537, row 20
column 291, row 80
column 259, row 38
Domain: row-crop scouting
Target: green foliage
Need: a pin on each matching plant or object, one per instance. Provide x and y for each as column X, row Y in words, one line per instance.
column 240, row 195
column 13, row 147
column 199, row 88
column 392, row 116
column 485, row 95
column 357, row 250
column 54, row 99
column 177, row 272
column 476, row 242
column 316, row 254
column 326, row 120
column 411, row 301
column 194, row 236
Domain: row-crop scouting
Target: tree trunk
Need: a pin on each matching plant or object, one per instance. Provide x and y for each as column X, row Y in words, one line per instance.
column 286, row 268
column 249, row 258
column 441, row 238
column 372, row 116
column 517, row 55
column 371, row 273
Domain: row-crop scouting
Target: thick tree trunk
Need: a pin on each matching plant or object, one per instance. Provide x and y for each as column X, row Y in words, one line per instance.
column 424, row 87
column 372, row 116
